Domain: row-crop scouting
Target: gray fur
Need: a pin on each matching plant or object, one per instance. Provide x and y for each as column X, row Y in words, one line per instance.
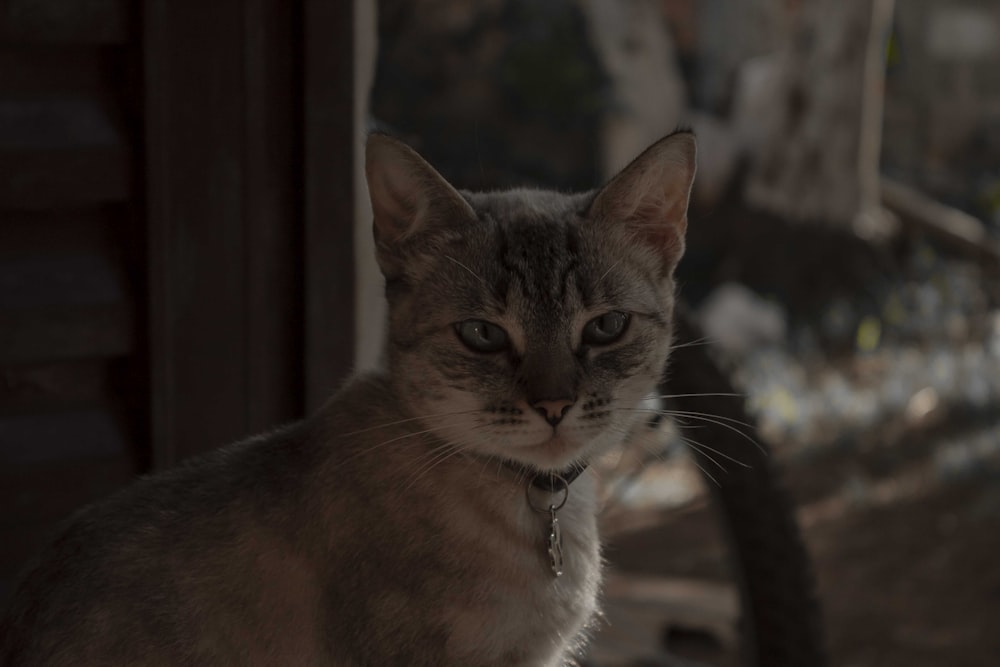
column 386, row 529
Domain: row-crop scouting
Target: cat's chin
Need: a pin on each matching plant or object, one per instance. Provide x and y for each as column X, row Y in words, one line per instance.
column 555, row 453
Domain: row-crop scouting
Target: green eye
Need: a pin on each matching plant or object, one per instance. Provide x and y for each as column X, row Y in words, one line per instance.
column 605, row 329
column 481, row 336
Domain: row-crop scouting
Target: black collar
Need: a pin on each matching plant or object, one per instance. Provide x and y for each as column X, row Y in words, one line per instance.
column 551, row 482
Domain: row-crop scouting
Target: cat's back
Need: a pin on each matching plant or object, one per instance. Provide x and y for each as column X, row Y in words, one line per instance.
column 234, row 544
column 152, row 562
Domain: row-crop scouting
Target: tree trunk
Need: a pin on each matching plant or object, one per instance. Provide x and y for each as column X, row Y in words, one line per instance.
column 818, row 155
column 648, row 98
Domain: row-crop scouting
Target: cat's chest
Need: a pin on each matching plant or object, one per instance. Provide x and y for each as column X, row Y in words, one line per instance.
column 518, row 610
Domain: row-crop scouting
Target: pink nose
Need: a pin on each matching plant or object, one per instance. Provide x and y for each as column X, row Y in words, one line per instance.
column 553, row 411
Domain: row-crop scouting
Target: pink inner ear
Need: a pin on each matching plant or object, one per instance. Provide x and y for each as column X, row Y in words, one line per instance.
column 650, row 196
column 395, row 196
column 653, row 202
column 662, row 223
column 393, row 213
column 407, row 194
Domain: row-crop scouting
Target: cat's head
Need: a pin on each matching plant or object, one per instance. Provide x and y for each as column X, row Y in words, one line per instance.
column 528, row 325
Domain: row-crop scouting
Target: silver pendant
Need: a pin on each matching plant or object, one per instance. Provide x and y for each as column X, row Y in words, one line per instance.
column 555, row 543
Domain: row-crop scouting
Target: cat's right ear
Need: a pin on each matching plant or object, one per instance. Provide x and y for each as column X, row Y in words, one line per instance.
column 650, row 196
column 409, row 198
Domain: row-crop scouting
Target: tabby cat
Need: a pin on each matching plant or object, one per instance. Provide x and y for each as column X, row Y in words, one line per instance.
column 437, row 512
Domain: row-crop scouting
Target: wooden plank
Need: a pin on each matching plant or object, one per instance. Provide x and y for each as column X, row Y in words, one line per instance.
column 329, row 196
column 36, row 282
column 61, row 233
column 225, row 237
column 48, row 438
column 65, row 70
column 42, row 493
column 77, row 332
column 60, row 122
column 47, row 21
column 223, row 209
column 39, row 386
column 194, row 150
column 49, row 179
column 63, row 288
column 273, row 213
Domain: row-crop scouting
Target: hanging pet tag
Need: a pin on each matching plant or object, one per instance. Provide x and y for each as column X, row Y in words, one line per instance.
column 555, row 543
column 554, row 539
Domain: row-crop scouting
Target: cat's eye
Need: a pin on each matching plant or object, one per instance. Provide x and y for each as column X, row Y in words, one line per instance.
column 605, row 329
column 481, row 336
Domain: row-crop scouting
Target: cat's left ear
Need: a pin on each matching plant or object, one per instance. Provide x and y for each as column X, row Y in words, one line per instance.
column 650, row 196
column 409, row 199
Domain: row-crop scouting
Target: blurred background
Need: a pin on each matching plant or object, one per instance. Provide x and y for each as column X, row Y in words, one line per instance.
column 185, row 258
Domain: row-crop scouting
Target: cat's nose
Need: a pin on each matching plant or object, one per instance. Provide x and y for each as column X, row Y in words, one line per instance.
column 553, row 411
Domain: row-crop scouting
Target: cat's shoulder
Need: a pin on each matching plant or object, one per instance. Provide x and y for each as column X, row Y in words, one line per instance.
column 364, row 400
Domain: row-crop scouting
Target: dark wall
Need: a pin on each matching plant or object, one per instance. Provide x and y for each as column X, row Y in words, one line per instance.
column 176, row 237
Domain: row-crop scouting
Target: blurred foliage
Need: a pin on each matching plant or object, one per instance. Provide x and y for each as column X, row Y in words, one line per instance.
column 515, row 81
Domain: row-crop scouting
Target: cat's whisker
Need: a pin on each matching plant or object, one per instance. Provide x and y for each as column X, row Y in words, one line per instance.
column 719, row 420
column 698, row 448
column 641, row 443
column 411, row 434
column 491, row 459
column 474, row 274
column 487, row 460
column 437, row 456
column 702, row 447
column 405, row 436
column 632, row 443
column 705, row 340
column 457, row 442
column 520, row 477
column 598, row 474
column 520, row 474
column 612, row 268
column 699, row 395
column 410, row 419
column 687, row 413
column 428, row 462
column 706, row 473
column 623, row 474
column 660, row 454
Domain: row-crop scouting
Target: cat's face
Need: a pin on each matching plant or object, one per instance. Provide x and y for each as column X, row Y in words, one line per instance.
column 528, row 325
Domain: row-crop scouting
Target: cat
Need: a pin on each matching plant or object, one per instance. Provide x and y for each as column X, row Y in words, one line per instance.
column 437, row 512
